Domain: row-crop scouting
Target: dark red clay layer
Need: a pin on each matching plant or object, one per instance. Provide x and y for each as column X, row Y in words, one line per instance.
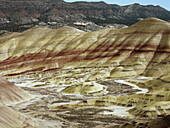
column 50, row 58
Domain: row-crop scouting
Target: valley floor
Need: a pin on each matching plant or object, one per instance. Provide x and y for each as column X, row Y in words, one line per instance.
column 97, row 117
column 68, row 98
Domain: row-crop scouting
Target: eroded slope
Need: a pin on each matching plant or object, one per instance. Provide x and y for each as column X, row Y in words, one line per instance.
column 10, row 118
column 10, row 93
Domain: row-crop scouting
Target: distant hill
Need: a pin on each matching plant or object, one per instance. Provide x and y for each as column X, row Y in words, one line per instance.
column 19, row 15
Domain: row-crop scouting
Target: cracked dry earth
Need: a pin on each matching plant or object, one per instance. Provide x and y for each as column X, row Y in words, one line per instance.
column 74, row 117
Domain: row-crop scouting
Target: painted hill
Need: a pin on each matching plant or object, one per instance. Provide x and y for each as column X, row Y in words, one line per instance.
column 69, row 56
column 135, row 50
